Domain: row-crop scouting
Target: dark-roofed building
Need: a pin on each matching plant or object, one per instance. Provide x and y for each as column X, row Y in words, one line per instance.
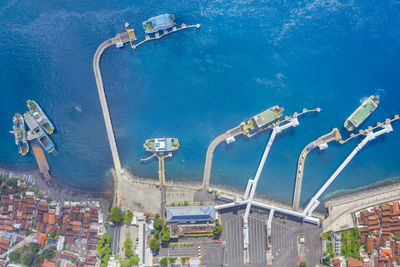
column 190, row 214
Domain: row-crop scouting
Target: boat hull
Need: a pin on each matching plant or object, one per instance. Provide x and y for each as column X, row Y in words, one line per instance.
column 361, row 113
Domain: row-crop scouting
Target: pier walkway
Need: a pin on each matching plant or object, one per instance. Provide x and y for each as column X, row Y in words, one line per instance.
column 321, row 142
column 238, row 130
column 119, row 40
column 41, row 161
column 210, row 152
column 386, row 127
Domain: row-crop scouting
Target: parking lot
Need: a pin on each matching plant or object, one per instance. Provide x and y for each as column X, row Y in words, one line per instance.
column 285, row 247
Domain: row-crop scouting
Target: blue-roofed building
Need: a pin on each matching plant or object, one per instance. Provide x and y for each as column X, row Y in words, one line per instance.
column 190, row 214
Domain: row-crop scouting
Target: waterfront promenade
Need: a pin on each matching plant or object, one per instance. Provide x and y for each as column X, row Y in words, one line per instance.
column 342, row 208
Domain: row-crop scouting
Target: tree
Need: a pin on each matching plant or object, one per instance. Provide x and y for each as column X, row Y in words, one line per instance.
column 116, row 215
column 163, row 262
column 49, row 253
column 154, row 245
column 185, row 203
column 366, row 247
column 128, row 252
column 217, row 230
column 128, row 216
column 165, row 237
column 134, row 260
column 52, row 235
column 303, row 264
column 126, row 263
column 157, row 224
column 172, row 260
column 127, row 242
column 28, row 259
column 184, row 259
column 14, row 256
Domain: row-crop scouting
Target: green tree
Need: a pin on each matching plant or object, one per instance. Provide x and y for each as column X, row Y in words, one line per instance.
column 165, row 237
column 128, row 216
column 14, row 256
column 154, row 245
column 303, row 264
column 163, row 262
column 49, row 253
column 116, row 215
column 184, row 259
column 366, row 247
column 103, row 247
column 126, row 263
column 52, row 235
column 157, row 224
column 156, row 232
column 217, row 230
column 185, row 203
column 128, row 252
column 28, row 259
column 134, row 260
column 127, row 242
column 172, row 260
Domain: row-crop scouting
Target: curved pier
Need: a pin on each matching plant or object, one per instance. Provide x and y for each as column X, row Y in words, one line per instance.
column 119, row 40
column 238, row 130
column 334, row 135
column 103, row 101
column 210, row 152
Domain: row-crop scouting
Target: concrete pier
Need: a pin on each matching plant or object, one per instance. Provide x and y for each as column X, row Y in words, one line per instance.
column 334, row 135
column 41, row 161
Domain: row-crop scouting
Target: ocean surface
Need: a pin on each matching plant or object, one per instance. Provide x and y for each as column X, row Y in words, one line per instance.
column 196, row 84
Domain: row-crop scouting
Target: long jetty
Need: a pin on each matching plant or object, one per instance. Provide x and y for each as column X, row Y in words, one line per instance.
column 41, row 161
column 119, row 40
column 334, row 135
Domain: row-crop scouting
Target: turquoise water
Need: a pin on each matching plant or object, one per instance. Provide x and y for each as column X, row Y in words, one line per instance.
column 196, row 84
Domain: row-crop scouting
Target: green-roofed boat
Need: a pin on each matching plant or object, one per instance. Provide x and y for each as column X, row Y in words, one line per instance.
column 361, row 113
column 265, row 117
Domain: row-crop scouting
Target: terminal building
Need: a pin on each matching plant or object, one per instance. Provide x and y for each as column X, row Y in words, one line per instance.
column 190, row 214
column 191, row 220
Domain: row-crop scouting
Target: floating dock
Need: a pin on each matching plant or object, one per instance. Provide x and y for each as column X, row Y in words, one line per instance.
column 41, row 161
column 322, row 143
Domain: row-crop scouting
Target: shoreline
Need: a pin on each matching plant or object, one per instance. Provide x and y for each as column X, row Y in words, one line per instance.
column 358, row 192
column 55, row 190
column 58, row 191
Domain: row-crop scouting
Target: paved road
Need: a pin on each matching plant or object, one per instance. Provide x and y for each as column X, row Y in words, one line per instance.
column 116, row 232
column 233, row 229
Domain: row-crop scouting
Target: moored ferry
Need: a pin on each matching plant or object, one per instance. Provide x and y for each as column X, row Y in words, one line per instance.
column 20, row 134
column 361, row 113
column 264, row 118
column 159, row 23
column 38, row 132
column 40, row 117
column 161, row 145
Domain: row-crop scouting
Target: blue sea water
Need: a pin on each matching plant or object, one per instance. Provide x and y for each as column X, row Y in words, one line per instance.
column 196, row 84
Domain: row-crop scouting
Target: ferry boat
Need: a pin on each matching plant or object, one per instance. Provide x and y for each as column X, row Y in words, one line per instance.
column 265, row 118
column 161, row 145
column 361, row 113
column 20, row 134
column 38, row 132
column 161, row 22
column 40, row 117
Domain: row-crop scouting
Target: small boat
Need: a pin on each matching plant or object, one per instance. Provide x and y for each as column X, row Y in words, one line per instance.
column 40, row 117
column 159, row 23
column 20, row 134
column 38, row 132
column 161, row 144
column 361, row 113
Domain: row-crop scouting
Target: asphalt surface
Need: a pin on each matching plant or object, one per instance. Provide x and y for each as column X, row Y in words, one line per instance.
column 285, row 247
